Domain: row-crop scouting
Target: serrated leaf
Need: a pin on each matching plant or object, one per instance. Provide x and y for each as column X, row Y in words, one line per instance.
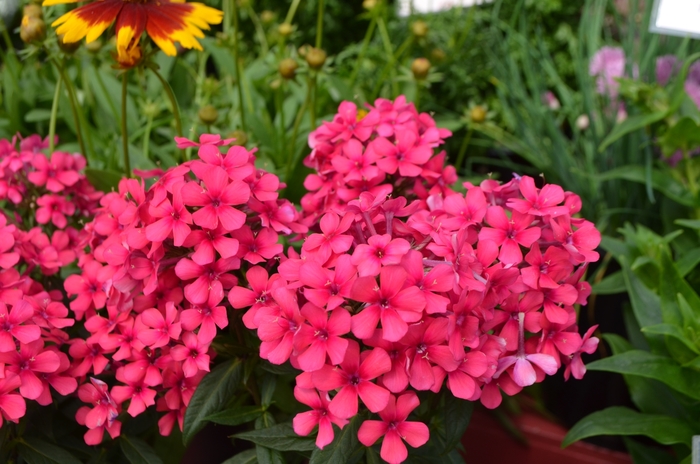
column 644, row 364
column 344, row 444
column 278, row 437
column 456, row 416
column 103, row 180
column 212, row 394
column 624, row 421
column 138, row 451
column 236, row 416
column 37, row 451
column 246, row 457
column 610, row 285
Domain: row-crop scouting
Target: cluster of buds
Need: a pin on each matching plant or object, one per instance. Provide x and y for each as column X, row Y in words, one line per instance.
column 152, row 287
column 52, row 192
column 431, row 288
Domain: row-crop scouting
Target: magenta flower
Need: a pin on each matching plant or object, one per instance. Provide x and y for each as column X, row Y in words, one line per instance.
column 462, row 381
column 425, row 347
column 11, row 325
column 54, row 209
column 207, row 317
column 325, row 287
column 395, row 428
column 161, row 329
column 406, row 155
column 174, row 219
column 278, row 325
column 30, row 360
column 332, row 239
column 262, row 287
column 210, row 279
column 523, row 371
column 139, row 395
column 607, row 64
column 358, row 162
column 509, row 234
column 389, row 302
column 321, row 337
column 89, row 288
column 353, row 378
column 216, row 201
column 379, row 251
column 207, row 242
column 56, row 174
column 12, row 406
column 538, row 203
column 589, row 345
column 259, row 247
column 320, row 415
column 194, row 354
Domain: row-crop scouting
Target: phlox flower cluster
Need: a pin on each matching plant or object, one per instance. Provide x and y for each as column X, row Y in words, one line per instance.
column 151, row 292
column 432, row 289
column 53, row 197
column 389, row 147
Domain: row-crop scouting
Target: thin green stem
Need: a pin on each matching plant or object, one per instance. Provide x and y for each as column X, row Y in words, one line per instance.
column 463, row 149
column 54, row 114
column 173, row 101
column 292, row 11
column 319, row 23
column 106, row 94
column 363, row 50
column 6, row 36
column 147, row 136
column 236, row 56
column 258, row 29
column 312, row 100
column 125, row 136
column 73, row 105
column 279, row 102
column 293, row 144
column 391, row 59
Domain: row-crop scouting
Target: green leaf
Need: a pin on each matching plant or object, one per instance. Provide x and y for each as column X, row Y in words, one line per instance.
column 36, row 451
column 278, row 437
column 624, row 421
column 138, row 451
column 246, row 457
column 691, row 223
column 344, row 444
column 672, row 331
column 456, row 415
column 671, row 286
column 610, row 285
column 660, row 180
column 684, row 135
column 631, row 124
column 236, row 416
column 212, row 394
column 37, row 115
column 644, row 364
column 688, row 261
column 266, row 455
column 645, row 303
column 642, row 454
column 103, row 180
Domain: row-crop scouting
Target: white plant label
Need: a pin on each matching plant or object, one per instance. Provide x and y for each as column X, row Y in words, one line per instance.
column 432, row 6
column 676, row 17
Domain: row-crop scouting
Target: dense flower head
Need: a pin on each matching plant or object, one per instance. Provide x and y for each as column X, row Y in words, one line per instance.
column 415, row 286
column 153, row 284
column 51, row 191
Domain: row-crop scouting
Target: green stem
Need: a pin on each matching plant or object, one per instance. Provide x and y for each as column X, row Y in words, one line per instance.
column 125, row 136
column 312, row 100
column 279, row 102
column 73, row 105
column 391, row 57
column 292, row 11
column 236, row 54
column 463, row 149
column 54, row 114
column 690, row 173
column 363, row 50
column 106, row 94
column 258, row 29
column 319, row 23
column 173, row 101
column 147, row 136
column 295, row 132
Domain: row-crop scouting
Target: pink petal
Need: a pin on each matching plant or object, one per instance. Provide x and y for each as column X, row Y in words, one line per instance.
column 393, row 450
column 370, row 431
column 416, row 434
column 373, row 396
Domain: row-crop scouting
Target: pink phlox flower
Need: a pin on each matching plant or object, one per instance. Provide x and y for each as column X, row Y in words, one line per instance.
column 407, row 155
column 427, row 346
column 589, row 345
column 257, row 247
column 163, row 327
column 438, row 280
column 463, row 329
column 12, row 325
column 608, row 64
column 148, row 173
column 357, row 162
column 528, row 303
column 556, row 300
column 558, row 342
column 469, row 209
column 321, row 337
column 86, row 357
column 546, row 271
column 491, row 390
column 259, row 294
column 396, row 379
column 172, row 417
column 48, row 313
column 146, row 365
column 325, row 287
column 264, row 186
column 99, row 326
column 320, row 415
column 216, row 200
column 579, row 243
column 380, row 250
column 207, row 317
column 523, row 372
column 277, row 326
column 123, row 341
column 12, row 406
column 94, row 436
column 538, row 203
column 139, row 395
column 389, row 302
column 462, row 381
column 63, row 384
column 194, row 354
column 204, row 140
column 88, row 288
column 208, row 279
column 54, row 208
column 105, row 410
column 354, row 378
column 332, row 239
column 509, row 234
column 235, row 163
column 34, row 143
column 30, row 360
column 56, row 174
column 8, row 256
column 164, row 185
column 173, row 219
column 168, row 289
column 280, row 215
column 395, row 428
column 179, row 387
column 207, row 242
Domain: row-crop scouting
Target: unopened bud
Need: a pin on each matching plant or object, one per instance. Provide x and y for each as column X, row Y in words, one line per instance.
column 288, row 68
column 582, row 122
column 94, row 46
column 420, row 68
column 151, row 110
column 208, row 114
column 33, row 10
column 275, row 84
column 419, row 29
column 477, row 114
column 240, row 137
column 369, row 5
column 438, row 55
column 267, row 17
column 285, row 29
column 316, row 58
column 32, row 29
column 67, row 47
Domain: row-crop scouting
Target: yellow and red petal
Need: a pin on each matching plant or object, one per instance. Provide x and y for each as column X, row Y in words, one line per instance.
column 179, row 22
column 89, row 20
column 58, row 2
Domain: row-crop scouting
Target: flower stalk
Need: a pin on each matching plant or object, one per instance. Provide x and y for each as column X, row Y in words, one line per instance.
column 54, row 114
column 125, row 135
column 236, row 57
